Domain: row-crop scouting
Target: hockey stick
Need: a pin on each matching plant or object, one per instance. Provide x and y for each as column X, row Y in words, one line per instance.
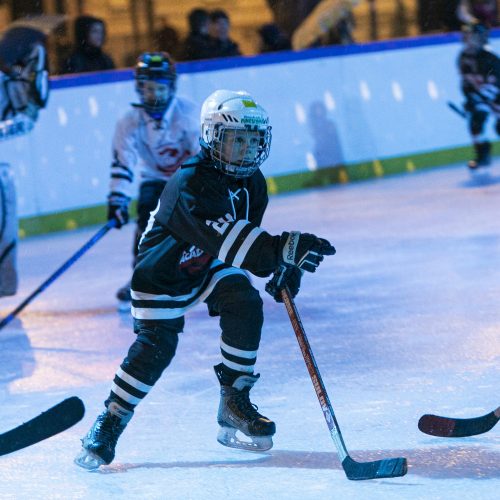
column 5, row 321
column 458, row 427
column 389, row 467
column 53, row 421
column 460, row 111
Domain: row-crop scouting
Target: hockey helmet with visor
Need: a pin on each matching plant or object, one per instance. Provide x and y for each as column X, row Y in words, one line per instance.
column 155, row 79
column 235, row 131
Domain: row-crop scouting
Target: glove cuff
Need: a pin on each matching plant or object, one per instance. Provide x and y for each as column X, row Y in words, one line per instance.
column 289, row 250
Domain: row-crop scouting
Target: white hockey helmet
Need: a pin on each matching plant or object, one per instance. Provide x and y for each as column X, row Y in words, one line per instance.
column 228, row 110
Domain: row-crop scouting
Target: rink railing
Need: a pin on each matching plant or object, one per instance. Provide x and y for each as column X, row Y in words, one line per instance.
column 338, row 114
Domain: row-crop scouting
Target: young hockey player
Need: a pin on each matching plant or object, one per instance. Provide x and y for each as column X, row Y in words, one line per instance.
column 480, row 81
column 157, row 135
column 202, row 237
column 24, row 91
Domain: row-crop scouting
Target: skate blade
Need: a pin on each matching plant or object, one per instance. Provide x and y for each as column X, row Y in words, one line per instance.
column 227, row 437
column 88, row 460
column 124, row 306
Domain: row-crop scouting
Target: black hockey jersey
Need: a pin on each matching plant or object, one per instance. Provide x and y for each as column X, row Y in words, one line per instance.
column 480, row 72
column 206, row 226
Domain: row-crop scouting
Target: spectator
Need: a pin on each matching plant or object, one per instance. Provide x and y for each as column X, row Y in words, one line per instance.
column 478, row 11
column 429, row 15
column 330, row 22
column 90, row 34
column 220, row 43
column 166, row 38
column 197, row 43
column 448, row 10
column 272, row 39
column 342, row 32
column 289, row 14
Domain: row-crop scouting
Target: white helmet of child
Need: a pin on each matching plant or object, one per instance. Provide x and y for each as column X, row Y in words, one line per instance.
column 225, row 113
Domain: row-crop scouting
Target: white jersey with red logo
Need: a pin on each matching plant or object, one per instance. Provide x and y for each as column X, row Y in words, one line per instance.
column 155, row 148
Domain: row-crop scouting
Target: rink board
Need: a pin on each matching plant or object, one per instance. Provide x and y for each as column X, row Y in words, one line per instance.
column 338, row 114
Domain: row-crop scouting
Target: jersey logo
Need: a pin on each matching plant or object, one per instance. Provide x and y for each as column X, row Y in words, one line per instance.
column 194, row 260
column 221, row 224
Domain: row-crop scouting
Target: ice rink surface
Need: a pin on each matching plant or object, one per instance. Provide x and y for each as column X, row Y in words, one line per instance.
column 404, row 320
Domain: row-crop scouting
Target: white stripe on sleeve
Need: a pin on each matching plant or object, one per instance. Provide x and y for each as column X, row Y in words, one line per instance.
column 245, row 246
column 231, row 238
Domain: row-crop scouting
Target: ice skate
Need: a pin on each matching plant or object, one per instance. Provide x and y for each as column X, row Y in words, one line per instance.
column 482, row 157
column 124, row 298
column 238, row 415
column 98, row 446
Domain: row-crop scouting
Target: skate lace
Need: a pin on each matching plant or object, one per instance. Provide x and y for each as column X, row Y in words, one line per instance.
column 244, row 405
column 109, row 428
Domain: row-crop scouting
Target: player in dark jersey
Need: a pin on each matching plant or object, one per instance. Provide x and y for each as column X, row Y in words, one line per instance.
column 480, row 80
column 202, row 238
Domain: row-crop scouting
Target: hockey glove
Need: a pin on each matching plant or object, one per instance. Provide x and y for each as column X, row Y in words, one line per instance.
column 489, row 92
column 284, row 276
column 118, row 209
column 304, row 250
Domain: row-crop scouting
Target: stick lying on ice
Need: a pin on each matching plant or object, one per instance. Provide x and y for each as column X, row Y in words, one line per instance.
column 458, row 427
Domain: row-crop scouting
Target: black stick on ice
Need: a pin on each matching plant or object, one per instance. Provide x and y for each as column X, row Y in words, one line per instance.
column 390, row 467
column 53, row 421
column 458, row 427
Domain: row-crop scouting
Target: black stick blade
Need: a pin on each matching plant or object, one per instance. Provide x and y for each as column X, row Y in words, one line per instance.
column 389, row 467
column 56, row 419
column 456, row 427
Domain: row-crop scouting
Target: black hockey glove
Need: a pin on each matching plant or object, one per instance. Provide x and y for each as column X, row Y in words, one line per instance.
column 284, row 276
column 304, row 250
column 118, row 209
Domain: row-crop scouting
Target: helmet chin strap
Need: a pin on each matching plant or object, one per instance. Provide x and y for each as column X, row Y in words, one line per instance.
column 157, row 112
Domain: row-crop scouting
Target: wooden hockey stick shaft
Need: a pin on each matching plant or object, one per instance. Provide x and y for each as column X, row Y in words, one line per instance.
column 390, row 467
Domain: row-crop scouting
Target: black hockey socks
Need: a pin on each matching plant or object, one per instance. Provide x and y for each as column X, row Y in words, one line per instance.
column 127, row 391
column 482, row 156
column 237, row 361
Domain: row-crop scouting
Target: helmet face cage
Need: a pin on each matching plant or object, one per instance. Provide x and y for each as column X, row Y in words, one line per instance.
column 230, row 124
column 155, row 67
column 224, row 152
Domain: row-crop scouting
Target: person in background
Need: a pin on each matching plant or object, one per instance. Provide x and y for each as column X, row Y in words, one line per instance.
column 197, row 43
column 478, row 11
column 158, row 135
column 201, row 241
column 272, row 40
column 23, row 92
column 479, row 70
column 166, row 38
column 330, row 22
column 221, row 44
column 87, row 56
